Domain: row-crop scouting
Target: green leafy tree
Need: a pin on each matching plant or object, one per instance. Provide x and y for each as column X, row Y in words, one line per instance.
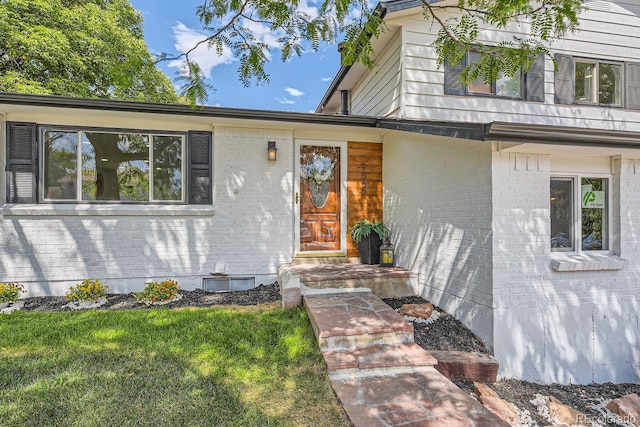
column 82, row 48
column 231, row 25
column 88, row 49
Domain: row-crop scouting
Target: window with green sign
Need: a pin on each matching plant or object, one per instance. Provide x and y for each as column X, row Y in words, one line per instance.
column 579, row 215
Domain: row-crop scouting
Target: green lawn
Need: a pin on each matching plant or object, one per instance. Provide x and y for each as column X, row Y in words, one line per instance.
column 254, row 366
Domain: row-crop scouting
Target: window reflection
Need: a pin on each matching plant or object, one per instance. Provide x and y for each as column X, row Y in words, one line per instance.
column 167, row 165
column 114, row 166
column 61, row 159
column 562, row 213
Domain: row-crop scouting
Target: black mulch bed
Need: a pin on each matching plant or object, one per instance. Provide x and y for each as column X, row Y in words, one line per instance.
column 446, row 333
column 198, row 298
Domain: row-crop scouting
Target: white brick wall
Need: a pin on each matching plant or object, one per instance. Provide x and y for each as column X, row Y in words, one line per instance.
column 250, row 229
column 3, row 150
column 437, row 202
column 565, row 327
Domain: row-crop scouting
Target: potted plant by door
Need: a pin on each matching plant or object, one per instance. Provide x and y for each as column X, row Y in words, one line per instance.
column 369, row 235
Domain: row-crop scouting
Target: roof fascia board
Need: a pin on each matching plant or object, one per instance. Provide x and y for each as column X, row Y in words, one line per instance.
column 186, row 110
column 473, row 131
column 558, row 135
column 491, row 132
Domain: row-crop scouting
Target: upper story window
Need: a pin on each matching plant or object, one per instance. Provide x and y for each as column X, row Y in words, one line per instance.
column 579, row 213
column 604, row 83
column 598, row 82
column 529, row 86
column 107, row 166
column 503, row 87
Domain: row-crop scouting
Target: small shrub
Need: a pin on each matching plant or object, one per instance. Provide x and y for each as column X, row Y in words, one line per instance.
column 158, row 292
column 88, row 291
column 10, row 292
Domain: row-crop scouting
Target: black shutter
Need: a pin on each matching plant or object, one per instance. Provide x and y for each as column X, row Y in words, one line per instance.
column 632, row 85
column 200, row 168
column 564, row 85
column 22, row 164
column 535, row 80
column 452, row 83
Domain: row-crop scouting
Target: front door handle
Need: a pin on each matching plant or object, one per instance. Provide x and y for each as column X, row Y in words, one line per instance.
column 301, row 221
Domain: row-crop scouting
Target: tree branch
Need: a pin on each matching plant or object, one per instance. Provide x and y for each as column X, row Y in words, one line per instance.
column 217, row 33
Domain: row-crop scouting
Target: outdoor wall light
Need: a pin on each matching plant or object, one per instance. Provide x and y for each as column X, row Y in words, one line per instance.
column 271, row 151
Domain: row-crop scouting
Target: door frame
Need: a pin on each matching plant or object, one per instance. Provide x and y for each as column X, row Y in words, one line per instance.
column 343, row 197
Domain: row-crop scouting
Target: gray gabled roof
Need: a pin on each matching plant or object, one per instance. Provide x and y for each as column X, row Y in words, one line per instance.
column 398, row 5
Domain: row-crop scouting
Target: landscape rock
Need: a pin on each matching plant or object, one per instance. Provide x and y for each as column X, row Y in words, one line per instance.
column 503, row 409
column 85, row 305
column 419, row 311
column 564, row 414
column 627, row 407
column 8, row 308
column 469, row 366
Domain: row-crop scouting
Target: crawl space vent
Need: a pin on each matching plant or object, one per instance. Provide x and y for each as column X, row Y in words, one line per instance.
column 226, row 284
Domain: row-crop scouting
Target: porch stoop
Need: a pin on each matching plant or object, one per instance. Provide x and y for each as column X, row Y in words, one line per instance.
column 306, row 276
column 381, row 377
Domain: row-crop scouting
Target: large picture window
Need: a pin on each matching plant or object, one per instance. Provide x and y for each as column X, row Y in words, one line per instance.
column 110, row 166
column 579, row 213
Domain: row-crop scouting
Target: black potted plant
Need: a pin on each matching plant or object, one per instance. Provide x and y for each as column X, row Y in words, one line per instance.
column 369, row 243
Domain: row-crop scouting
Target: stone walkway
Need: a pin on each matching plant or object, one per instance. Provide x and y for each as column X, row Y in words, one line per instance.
column 379, row 374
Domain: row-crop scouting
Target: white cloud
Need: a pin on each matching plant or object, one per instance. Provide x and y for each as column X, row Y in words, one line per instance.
column 355, row 14
column 293, row 92
column 186, row 38
column 263, row 33
column 327, row 79
column 285, row 101
column 312, row 11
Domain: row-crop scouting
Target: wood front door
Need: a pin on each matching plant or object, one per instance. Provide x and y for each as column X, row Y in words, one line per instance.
column 320, row 198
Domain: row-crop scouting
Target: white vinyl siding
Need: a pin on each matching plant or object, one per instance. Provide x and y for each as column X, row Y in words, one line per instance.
column 606, row 35
column 378, row 94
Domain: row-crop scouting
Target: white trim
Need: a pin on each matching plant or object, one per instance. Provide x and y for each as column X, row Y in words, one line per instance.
column 595, row 86
column 86, row 209
column 585, row 261
column 343, row 193
column 576, row 179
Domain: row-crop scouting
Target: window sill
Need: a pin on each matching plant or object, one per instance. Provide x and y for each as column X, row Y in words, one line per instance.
column 586, row 262
column 28, row 210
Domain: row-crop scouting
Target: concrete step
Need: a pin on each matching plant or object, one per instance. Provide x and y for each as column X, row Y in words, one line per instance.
column 347, row 320
column 378, row 359
column 323, row 260
column 384, row 287
column 425, row 399
column 306, row 274
column 460, row 365
column 381, row 377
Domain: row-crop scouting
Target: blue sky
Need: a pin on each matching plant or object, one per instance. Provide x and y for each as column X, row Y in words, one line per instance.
column 298, row 85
